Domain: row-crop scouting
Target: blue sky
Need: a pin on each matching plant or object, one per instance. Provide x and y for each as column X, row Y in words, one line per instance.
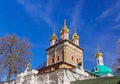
column 97, row 23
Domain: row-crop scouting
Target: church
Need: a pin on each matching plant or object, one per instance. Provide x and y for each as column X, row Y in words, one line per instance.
column 64, row 63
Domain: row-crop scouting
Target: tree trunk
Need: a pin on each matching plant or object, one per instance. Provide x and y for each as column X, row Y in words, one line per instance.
column 10, row 66
column 9, row 73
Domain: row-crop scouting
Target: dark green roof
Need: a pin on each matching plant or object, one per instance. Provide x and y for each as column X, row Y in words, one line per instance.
column 101, row 70
column 102, row 80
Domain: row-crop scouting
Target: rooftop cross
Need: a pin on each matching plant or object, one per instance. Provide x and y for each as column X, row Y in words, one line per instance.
column 54, row 30
column 64, row 22
column 98, row 48
column 75, row 29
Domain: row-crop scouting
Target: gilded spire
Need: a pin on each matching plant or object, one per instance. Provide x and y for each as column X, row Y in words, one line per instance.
column 53, row 37
column 98, row 48
column 98, row 54
column 54, row 31
column 64, row 29
column 75, row 36
column 75, row 29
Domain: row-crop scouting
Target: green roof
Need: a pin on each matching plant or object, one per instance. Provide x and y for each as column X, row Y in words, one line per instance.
column 101, row 70
column 102, row 80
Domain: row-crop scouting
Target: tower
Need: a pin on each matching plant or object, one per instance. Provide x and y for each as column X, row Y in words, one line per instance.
column 75, row 38
column 99, row 58
column 101, row 70
column 64, row 34
column 63, row 53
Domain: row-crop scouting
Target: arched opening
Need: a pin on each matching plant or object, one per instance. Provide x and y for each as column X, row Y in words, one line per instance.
column 77, row 60
column 72, row 58
column 98, row 62
column 58, row 58
column 52, row 60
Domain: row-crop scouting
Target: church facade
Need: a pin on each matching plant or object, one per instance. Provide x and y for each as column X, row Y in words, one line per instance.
column 64, row 63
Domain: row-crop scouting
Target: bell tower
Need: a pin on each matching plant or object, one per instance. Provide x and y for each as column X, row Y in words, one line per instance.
column 64, row 53
column 99, row 57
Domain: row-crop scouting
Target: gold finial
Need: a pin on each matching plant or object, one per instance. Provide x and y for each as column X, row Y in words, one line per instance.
column 75, row 36
column 64, row 29
column 99, row 54
column 53, row 37
column 64, row 22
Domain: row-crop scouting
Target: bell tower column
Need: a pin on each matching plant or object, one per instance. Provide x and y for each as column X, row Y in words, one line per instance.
column 53, row 39
column 99, row 57
column 75, row 38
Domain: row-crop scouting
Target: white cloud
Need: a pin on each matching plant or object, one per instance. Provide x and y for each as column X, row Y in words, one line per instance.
column 116, row 26
column 39, row 10
column 108, row 11
column 76, row 13
column 117, row 18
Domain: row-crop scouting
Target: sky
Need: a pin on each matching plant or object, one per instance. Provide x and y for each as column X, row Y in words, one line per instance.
column 97, row 23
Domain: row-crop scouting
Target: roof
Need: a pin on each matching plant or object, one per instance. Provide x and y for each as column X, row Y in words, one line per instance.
column 92, row 73
column 62, row 41
column 53, row 65
column 106, row 80
column 101, row 70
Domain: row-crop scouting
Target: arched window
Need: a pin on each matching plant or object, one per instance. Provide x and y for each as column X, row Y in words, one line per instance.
column 58, row 58
column 72, row 58
column 77, row 60
column 98, row 62
column 96, row 69
column 52, row 60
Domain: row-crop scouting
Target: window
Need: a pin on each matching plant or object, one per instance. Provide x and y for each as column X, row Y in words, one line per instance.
column 77, row 60
column 52, row 60
column 58, row 58
column 96, row 69
column 72, row 58
column 98, row 62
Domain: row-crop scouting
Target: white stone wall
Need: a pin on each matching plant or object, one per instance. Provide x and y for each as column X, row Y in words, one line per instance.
column 63, row 76
column 60, row 76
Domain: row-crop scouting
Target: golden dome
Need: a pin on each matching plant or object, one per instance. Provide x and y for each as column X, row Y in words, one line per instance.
column 75, row 36
column 64, row 29
column 99, row 54
column 53, row 37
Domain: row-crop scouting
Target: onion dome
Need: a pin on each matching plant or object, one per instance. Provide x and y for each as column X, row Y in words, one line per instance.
column 102, row 70
column 75, row 36
column 53, row 37
column 64, row 29
column 99, row 54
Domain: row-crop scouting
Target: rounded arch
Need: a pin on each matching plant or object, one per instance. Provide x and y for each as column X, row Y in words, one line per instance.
column 72, row 58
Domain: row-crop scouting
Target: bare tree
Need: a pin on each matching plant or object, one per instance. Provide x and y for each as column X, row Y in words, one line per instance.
column 116, row 67
column 15, row 53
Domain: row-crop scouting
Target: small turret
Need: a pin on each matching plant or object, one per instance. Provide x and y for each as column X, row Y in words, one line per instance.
column 53, row 38
column 101, row 70
column 75, row 38
column 29, row 67
column 99, row 57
